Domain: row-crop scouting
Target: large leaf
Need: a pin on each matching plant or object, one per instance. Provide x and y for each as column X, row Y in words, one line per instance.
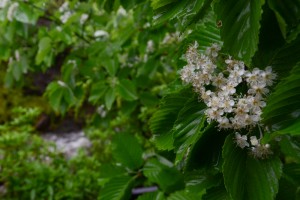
column 282, row 112
column 164, row 174
column 152, row 196
column 183, row 195
column 289, row 185
column 189, row 126
column 246, row 177
column 240, row 26
column 163, row 120
column 118, row 188
column 288, row 17
column 127, row 150
column 44, row 50
column 273, row 50
column 290, row 146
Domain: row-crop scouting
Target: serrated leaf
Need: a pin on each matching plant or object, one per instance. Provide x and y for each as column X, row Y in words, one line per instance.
column 283, row 106
column 127, row 151
column 163, row 120
column 240, row 27
column 288, row 17
column 248, row 178
column 164, row 174
column 188, row 126
column 183, row 195
column 127, row 90
column 118, row 188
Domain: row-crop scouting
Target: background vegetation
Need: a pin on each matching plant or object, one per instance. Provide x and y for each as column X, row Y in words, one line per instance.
column 114, row 67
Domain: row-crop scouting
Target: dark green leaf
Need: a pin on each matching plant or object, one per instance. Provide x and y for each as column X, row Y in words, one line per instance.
column 109, row 98
column 183, row 195
column 152, row 196
column 248, row 178
column 240, row 27
column 127, row 151
column 283, row 106
column 290, row 147
column 288, row 17
column 97, row 91
column 188, row 127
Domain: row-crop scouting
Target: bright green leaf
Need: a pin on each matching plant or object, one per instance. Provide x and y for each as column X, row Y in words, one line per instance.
column 109, row 98
column 127, row 90
column 127, row 151
column 44, row 49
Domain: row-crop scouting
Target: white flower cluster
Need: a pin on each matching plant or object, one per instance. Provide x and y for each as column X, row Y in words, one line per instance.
column 234, row 96
column 257, row 150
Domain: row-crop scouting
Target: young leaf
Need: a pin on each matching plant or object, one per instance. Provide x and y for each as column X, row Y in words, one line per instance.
column 44, row 50
column 240, row 26
column 109, row 98
column 118, row 188
column 248, row 178
column 164, row 174
column 127, row 151
column 127, row 90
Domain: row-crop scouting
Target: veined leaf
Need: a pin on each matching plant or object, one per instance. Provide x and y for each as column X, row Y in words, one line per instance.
column 288, row 17
column 163, row 120
column 118, row 188
column 249, row 178
column 164, row 174
column 188, row 127
column 290, row 147
column 152, row 196
column 127, row 150
column 183, row 195
column 109, row 98
column 282, row 113
column 44, row 50
column 240, row 26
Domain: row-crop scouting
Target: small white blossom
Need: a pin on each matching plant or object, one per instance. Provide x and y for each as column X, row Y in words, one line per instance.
column 11, row 11
column 213, row 50
column 83, row 18
column 3, row 3
column 150, row 46
column 101, row 33
column 241, row 141
column 254, row 141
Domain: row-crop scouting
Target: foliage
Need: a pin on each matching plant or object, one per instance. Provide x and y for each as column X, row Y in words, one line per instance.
column 110, row 62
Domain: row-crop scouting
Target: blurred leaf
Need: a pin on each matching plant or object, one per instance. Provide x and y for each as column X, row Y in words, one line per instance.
column 109, row 98
column 248, row 178
column 152, row 196
column 111, row 65
column 127, row 90
column 217, row 193
column 242, row 20
column 44, row 48
column 97, row 92
column 290, row 147
column 26, row 14
column 127, row 151
column 118, row 188
column 164, row 174
column 283, row 106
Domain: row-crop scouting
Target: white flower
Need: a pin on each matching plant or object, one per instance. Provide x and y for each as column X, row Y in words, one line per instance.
column 11, row 11
column 261, row 151
column 224, row 123
column 241, row 141
column 3, row 3
column 150, row 46
column 65, row 16
column 101, row 33
column 83, row 18
column 213, row 50
column 254, row 141
column 269, row 76
column 219, row 81
column 122, row 12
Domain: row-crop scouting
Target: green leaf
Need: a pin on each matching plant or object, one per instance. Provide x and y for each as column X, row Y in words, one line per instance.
column 188, row 127
column 44, row 49
column 183, row 195
column 109, row 98
column 164, row 174
column 283, row 106
column 240, row 27
column 127, row 90
column 26, row 14
column 97, row 92
column 152, row 196
column 288, row 17
column 163, row 120
column 127, row 151
column 290, row 147
column 118, row 188
column 289, row 183
column 110, row 64
column 217, row 193
column 248, row 178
